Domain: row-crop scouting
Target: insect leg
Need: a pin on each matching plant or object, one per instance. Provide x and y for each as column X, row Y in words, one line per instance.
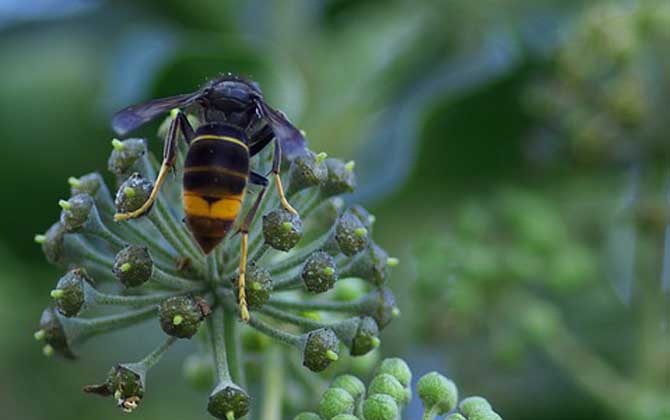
column 244, row 230
column 276, row 161
column 179, row 123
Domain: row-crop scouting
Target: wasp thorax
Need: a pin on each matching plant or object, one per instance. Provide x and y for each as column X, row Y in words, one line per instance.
column 319, row 272
column 322, row 347
column 181, row 316
column 69, row 292
column 124, row 155
column 228, row 401
column 281, row 229
column 258, row 285
column 341, row 178
column 132, row 193
column 75, row 212
column 133, row 265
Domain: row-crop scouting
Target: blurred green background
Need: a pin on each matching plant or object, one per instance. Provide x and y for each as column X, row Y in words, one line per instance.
column 515, row 153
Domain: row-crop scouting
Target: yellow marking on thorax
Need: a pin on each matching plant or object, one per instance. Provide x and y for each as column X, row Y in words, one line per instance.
column 226, row 208
column 224, row 138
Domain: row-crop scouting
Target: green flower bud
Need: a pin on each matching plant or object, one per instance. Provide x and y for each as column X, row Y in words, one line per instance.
column 366, row 338
column 228, row 401
column 345, row 417
column 52, row 332
column 124, row 155
column 322, row 347
column 364, row 216
column 350, row 234
column 389, row 385
column 381, row 306
column 472, row 406
column 349, row 289
column 199, row 371
column 397, row 368
column 69, row 292
column 319, row 272
column 350, row 383
column 281, row 229
column 371, row 264
column 380, row 407
column 258, row 285
column 307, row 416
column 455, row 416
column 180, row 316
column 87, row 184
column 132, row 193
column 340, row 180
column 52, row 243
column 76, row 212
column 336, row 401
column 436, row 391
column 306, row 171
column 133, row 265
column 124, row 384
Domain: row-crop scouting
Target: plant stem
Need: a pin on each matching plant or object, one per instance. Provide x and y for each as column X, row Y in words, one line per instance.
column 152, row 358
column 216, row 331
column 273, row 386
column 293, row 319
column 168, row 280
column 429, row 414
column 100, row 298
column 318, row 305
column 233, row 348
column 78, row 329
column 298, row 257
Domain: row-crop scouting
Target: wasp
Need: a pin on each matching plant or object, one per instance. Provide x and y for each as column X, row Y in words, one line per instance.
column 237, row 124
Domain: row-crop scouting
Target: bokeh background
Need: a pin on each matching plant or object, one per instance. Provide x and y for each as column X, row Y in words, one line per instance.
column 515, row 153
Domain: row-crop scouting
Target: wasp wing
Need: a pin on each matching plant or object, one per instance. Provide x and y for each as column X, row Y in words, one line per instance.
column 134, row 116
column 291, row 140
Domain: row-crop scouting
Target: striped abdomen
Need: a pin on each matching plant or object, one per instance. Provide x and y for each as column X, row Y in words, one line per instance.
column 215, row 178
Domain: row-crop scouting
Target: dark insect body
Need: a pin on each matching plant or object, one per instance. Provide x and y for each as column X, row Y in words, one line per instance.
column 236, row 125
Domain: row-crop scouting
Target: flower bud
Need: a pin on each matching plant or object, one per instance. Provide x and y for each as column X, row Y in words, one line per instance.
column 258, row 285
column 307, row 416
column 366, row 338
column 455, row 416
column 76, row 212
column 228, row 401
column 372, row 264
column 397, row 368
column 389, row 385
column 345, row 417
column 199, row 371
column 340, row 179
column 306, row 171
column 321, row 348
column 363, row 215
column 52, row 332
column 436, row 391
column 281, row 229
column 349, row 289
column 336, row 401
column 87, row 184
column 132, row 193
column 124, row 155
column 126, row 385
column 69, row 292
column 381, row 306
column 180, row 316
column 52, row 243
column 472, row 406
column 350, row 234
column 133, row 265
column 350, row 383
column 319, row 272
column 380, row 407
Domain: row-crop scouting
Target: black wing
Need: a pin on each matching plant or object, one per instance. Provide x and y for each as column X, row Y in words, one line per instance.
column 134, row 116
column 291, row 140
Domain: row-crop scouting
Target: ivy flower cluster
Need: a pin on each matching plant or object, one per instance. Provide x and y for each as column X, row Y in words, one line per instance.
column 151, row 269
column 389, row 391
